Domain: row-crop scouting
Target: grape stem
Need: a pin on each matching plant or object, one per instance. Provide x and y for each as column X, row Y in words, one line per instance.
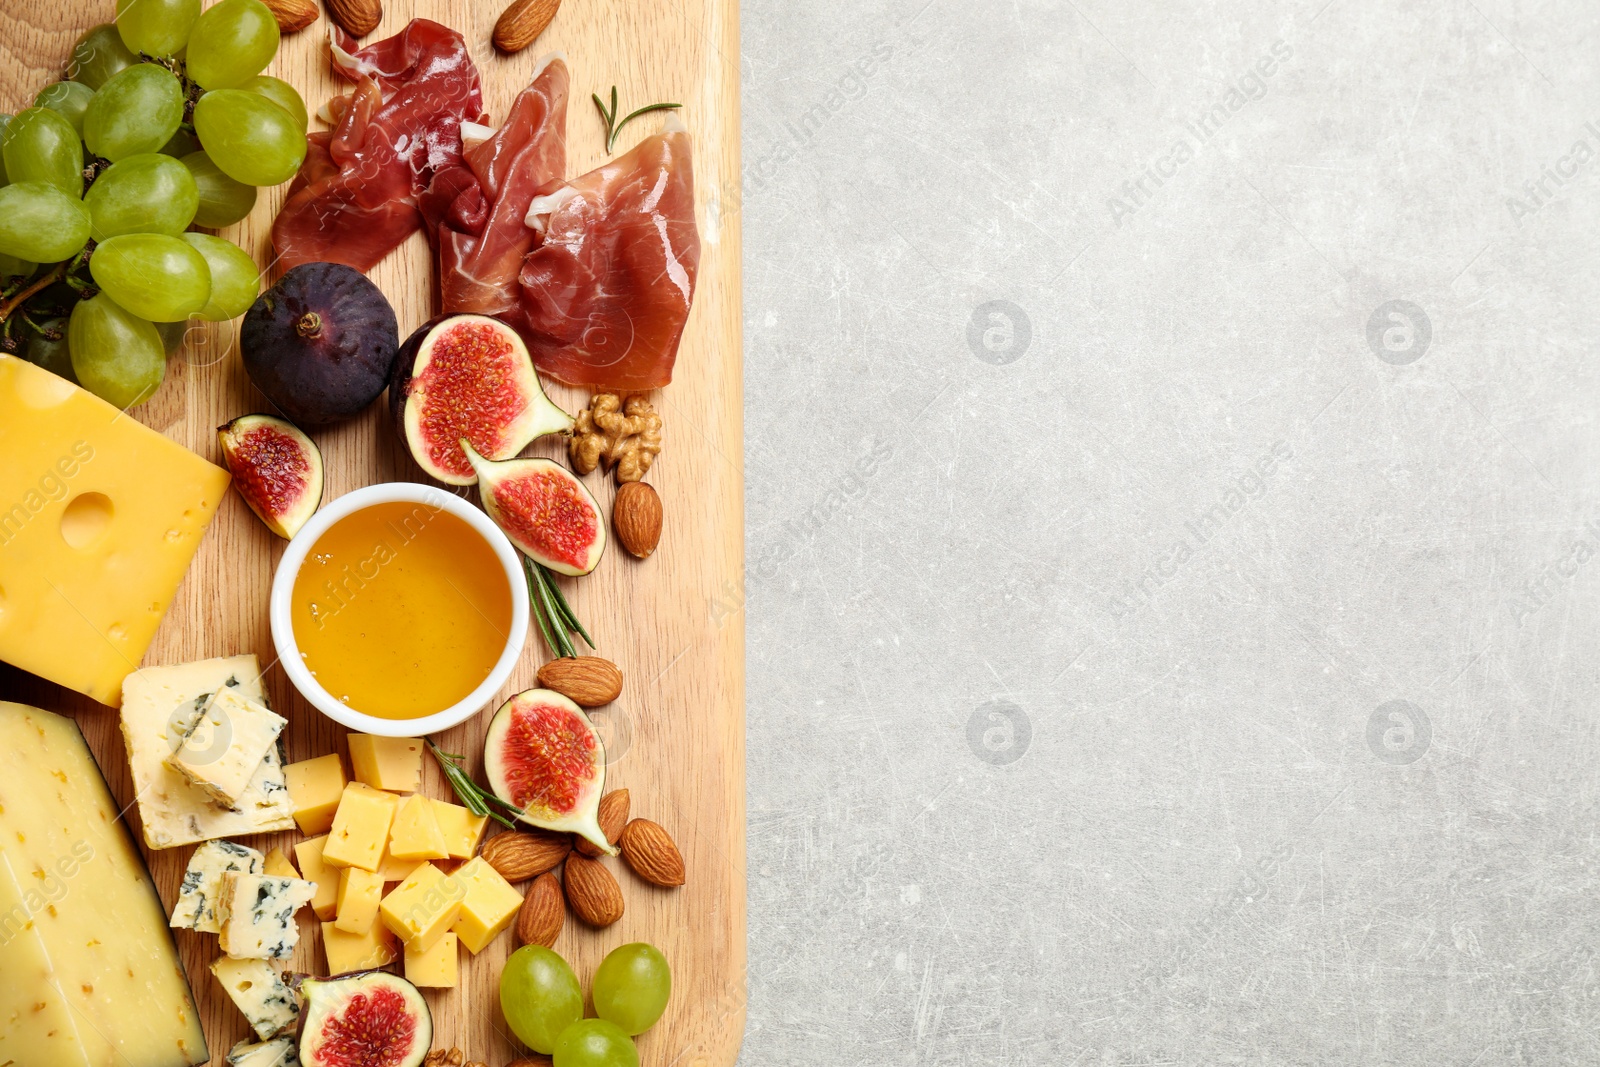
column 50, row 278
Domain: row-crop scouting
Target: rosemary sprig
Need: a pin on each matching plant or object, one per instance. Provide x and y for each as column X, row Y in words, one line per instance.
column 552, row 612
column 613, row 127
column 472, row 795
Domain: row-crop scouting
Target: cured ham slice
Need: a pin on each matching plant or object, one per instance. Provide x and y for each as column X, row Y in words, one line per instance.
column 477, row 207
column 607, row 287
column 356, row 196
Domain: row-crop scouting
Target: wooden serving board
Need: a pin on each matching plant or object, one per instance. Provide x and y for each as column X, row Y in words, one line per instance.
column 672, row 623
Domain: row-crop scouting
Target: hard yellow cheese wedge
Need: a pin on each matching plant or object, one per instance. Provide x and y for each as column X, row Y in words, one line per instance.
column 390, row 763
column 462, row 830
column 360, row 828
column 436, row 967
column 421, row 909
column 415, row 834
column 99, row 518
column 88, row 973
column 489, row 905
column 358, row 952
column 315, row 788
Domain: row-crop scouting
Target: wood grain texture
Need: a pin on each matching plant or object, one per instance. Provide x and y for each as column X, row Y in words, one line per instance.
column 676, row 736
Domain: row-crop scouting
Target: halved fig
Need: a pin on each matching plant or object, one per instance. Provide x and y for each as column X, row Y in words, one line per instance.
column 364, row 1020
column 546, row 511
column 468, row 376
column 276, row 469
column 543, row 755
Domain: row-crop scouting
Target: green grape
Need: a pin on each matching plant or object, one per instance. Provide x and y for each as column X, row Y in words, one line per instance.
column 156, row 27
column 54, row 355
column 138, row 110
column 181, row 143
column 235, row 280
column 69, row 98
column 172, row 334
column 5, row 123
column 116, row 355
column 632, row 987
column 39, row 222
column 154, row 276
column 540, row 997
column 595, row 1043
column 281, row 93
column 223, row 201
column 42, row 146
column 148, row 193
column 98, row 55
column 12, row 267
column 231, row 43
column 251, row 139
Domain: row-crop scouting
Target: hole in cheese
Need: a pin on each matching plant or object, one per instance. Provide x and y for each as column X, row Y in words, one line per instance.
column 86, row 519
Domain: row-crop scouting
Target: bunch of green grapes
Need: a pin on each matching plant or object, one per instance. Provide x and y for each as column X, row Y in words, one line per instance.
column 543, row 1004
column 165, row 123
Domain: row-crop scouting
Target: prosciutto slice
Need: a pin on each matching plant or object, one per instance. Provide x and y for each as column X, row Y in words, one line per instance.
column 607, row 287
column 356, row 196
column 476, row 207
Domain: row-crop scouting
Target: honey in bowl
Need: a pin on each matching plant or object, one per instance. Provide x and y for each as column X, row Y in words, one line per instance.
column 400, row 610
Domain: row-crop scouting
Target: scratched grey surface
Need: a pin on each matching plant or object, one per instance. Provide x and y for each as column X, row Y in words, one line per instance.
column 1164, row 647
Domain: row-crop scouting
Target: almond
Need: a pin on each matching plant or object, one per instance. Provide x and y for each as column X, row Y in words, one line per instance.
column 613, row 818
column 592, row 891
column 587, row 681
column 537, row 1061
column 521, row 23
column 521, row 855
column 292, row 15
column 649, row 850
column 636, row 516
column 542, row 915
column 358, row 17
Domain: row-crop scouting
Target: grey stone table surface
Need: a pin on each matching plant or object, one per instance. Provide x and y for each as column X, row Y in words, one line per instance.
column 1171, row 450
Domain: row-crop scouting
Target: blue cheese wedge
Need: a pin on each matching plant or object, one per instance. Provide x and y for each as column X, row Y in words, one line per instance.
column 223, row 747
column 258, row 990
column 202, row 883
column 279, row 1052
column 256, row 915
column 158, row 704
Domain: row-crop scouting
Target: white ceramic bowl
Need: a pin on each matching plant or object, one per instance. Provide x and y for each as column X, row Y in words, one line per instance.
column 283, row 627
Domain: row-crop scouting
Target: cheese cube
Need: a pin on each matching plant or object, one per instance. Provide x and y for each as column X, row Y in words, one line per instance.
column 394, row 870
column 315, row 788
column 156, row 702
column 257, row 915
column 358, row 952
column 415, row 834
column 101, row 516
column 202, row 883
column 89, row 975
column 326, row 879
column 462, row 830
column 279, row 1052
column 279, row 865
column 488, row 907
column 360, row 827
column 421, row 909
column 360, row 893
column 436, row 967
column 390, row 763
column 257, row 989
column 227, row 741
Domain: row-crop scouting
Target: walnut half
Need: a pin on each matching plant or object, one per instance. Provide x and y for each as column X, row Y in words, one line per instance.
column 624, row 437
